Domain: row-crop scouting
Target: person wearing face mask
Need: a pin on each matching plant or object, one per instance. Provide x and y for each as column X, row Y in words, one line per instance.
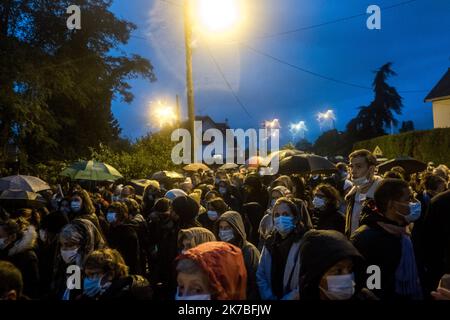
column 362, row 169
column 18, row 241
column 49, row 229
column 211, row 271
column 227, row 195
column 266, row 224
column 192, row 237
column 81, row 207
column 106, row 278
column 331, row 268
column 123, row 237
column 76, row 241
column 384, row 240
column 279, row 266
column 215, row 208
column 341, row 179
column 325, row 211
column 230, row 228
column 64, row 207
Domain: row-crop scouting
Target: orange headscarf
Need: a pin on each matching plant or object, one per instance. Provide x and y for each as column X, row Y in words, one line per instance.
column 224, row 265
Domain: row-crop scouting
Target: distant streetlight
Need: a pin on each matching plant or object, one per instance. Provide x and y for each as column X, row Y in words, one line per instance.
column 324, row 118
column 298, row 128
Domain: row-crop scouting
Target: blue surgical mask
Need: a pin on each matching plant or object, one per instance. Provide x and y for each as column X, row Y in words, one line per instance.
column 415, row 209
column 284, row 224
column 226, row 235
column 111, row 217
column 318, row 203
column 75, row 206
column 91, row 287
column 212, row 215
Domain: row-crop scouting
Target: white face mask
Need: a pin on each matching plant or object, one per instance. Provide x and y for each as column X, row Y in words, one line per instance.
column 43, row 235
column 192, row 297
column 111, row 217
column 69, row 255
column 226, row 235
column 213, row 215
column 360, row 181
column 318, row 203
column 340, row 287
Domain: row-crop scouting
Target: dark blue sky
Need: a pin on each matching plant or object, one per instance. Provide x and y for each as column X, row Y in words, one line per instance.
column 414, row 36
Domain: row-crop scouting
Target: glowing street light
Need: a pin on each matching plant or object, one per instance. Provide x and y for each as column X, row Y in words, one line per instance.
column 298, row 128
column 164, row 114
column 324, row 118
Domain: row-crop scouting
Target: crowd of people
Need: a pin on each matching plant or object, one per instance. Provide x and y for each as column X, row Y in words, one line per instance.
column 237, row 235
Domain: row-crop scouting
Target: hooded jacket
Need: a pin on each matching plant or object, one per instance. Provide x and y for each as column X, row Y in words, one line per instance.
column 197, row 236
column 187, row 210
column 224, row 266
column 22, row 254
column 320, row 250
column 378, row 247
column 250, row 252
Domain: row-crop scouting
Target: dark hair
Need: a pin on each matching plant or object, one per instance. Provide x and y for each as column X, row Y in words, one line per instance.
column 294, row 209
column 388, row 190
column 161, row 205
column 11, row 226
column 393, row 174
column 108, row 260
column 341, row 165
column 432, row 182
column 10, row 278
column 120, row 209
column 219, row 205
column 330, row 193
column 366, row 154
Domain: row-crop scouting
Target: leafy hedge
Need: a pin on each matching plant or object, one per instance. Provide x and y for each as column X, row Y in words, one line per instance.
column 430, row 145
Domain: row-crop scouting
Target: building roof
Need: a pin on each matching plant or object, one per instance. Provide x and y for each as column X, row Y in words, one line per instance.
column 441, row 90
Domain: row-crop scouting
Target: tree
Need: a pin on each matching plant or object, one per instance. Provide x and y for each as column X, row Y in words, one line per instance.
column 57, row 85
column 289, row 146
column 407, row 126
column 372, row 120
column 332, row 143
column 304, row 145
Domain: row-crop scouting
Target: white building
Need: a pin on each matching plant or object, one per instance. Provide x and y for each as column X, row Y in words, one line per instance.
column 439, row 96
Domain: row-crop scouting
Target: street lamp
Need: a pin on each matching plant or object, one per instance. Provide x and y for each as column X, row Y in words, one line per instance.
column 325, row 117
column 164, row 114
column 216, row 16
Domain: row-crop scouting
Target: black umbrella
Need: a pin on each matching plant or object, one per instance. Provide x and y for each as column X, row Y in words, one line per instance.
column 410, row 165
column 306, row 163
column 21, row 199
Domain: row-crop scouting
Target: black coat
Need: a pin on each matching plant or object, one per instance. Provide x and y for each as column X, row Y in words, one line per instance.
column 328, row 219
column 124, row 239
column 437, row 239
column 380, row 248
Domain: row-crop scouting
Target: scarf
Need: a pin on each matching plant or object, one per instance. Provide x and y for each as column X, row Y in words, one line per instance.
column 406, row 276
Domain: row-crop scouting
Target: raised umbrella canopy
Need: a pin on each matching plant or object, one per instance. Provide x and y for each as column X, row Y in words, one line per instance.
column 306, row 163
column 410, row 165
column 281, row 154
column 229, row 166
column 91, row 171
column 162, row 175
column 195, row 167
column 21, row 182
column 21, row 199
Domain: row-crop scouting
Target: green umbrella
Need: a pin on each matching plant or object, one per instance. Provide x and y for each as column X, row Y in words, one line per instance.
column 91, row 171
